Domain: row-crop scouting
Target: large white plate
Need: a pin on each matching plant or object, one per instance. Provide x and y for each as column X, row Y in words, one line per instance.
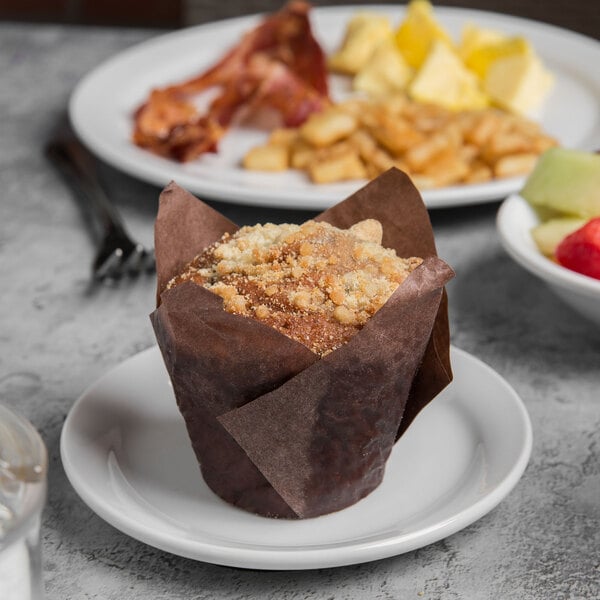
column 125, row 450
column 101, row 108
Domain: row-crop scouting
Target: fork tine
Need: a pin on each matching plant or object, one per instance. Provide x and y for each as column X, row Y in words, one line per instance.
column 118, row 254
column 117, row 264
column 131, row 263
column 110, row 266
column 149, row 261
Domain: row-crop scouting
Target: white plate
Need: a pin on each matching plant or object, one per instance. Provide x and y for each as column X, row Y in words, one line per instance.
column 516, row 218
column 101, row 108
column 125, row 450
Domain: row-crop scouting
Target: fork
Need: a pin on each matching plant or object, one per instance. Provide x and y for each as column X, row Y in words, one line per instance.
column 118, row 253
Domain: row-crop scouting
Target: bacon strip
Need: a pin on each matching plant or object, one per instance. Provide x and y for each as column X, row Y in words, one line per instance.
column 279, row 64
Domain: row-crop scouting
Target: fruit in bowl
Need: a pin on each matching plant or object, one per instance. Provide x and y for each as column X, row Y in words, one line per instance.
column 555, row 223
column 564, row 188
column 580, row 251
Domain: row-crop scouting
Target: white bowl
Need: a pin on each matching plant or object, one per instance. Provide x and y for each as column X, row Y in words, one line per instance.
column 515, row 220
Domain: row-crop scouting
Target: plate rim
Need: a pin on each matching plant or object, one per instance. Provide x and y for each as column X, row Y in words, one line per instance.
column 285, row 558
column 158, row 173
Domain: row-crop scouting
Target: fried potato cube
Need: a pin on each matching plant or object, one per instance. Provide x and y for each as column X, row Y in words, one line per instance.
column 542, row 143
column 486, row 124
column 283, row 136
column 479, row 172
column 502, row 144
column 381, row 160
column 376, row 159
column 513, row 165
column 337, row 167
column 427, row 123
column 395, row 133
column 420, row 155
column 301, row 154
column 269, row 157
column 326, row 128
column 468, row 152
column 362, row 138
column 522, row 125
column 354, row 106
column 393, row 104
column 364, row 143
column 446, row 168
column 380, row 164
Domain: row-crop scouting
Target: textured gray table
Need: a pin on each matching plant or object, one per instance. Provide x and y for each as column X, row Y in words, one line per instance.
column 58, row 335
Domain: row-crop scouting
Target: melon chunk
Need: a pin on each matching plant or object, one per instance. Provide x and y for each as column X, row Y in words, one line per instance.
column 547, row 236
column 567, row 181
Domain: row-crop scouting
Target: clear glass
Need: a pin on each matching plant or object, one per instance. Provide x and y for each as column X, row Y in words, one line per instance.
column 23, row 474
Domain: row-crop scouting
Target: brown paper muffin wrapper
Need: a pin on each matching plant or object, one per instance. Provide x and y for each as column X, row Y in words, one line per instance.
column 277, row 430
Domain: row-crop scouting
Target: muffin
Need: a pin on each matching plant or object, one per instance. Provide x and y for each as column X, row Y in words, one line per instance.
column 300, row 353
column 313, row 282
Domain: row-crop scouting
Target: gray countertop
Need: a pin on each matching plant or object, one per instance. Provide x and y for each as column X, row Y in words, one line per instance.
column 58, row 334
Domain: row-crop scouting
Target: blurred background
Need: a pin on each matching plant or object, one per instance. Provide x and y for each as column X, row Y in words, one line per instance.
column 582, row 16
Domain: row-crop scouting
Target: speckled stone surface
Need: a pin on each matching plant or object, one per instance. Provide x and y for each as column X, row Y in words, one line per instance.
column 58, row 334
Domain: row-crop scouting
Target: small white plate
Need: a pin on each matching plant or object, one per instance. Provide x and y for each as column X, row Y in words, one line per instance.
column 126, row 452
column 516, row 218
column 103, row 103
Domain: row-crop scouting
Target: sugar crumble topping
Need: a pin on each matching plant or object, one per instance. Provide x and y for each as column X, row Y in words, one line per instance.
column 313, row 282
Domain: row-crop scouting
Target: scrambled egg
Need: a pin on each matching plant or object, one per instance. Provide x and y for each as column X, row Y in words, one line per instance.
column 518, row 82
column 443, row 79
column 418, row 33
column 385, row 72
column 485, row 68
column 364, row 33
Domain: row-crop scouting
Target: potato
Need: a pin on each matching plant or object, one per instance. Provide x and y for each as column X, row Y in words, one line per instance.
column 362, row 138
column 301, row 154
column 325, row 128
column 515, row 164
column 270, row 157
column 283, row 136
column 337, row 167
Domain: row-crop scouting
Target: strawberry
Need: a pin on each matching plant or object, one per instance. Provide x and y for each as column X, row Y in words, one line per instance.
column 580, row 251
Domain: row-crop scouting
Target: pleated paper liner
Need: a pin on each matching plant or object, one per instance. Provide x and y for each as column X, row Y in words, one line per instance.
column 277, row 430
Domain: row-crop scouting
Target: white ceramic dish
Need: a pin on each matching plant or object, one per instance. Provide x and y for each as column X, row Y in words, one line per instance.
column 515, row 220
column 102, row 105
column 125, row 450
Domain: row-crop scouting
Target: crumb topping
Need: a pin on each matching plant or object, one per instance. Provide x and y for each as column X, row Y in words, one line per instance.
column 313, row 282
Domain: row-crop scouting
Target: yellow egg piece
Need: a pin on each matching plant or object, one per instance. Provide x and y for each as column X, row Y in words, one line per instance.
column 474, row 38
column 364, row 33
column 518, row 82
column 444, row 80
column 480, row 59
column 385, row 72
column 418, row 31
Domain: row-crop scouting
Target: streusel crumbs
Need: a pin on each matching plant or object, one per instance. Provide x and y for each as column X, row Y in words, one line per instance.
column 313, row 282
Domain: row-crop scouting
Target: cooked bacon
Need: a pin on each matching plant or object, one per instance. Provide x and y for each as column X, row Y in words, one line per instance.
column 285, row 36
column 279, row 65
column 281, row 89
